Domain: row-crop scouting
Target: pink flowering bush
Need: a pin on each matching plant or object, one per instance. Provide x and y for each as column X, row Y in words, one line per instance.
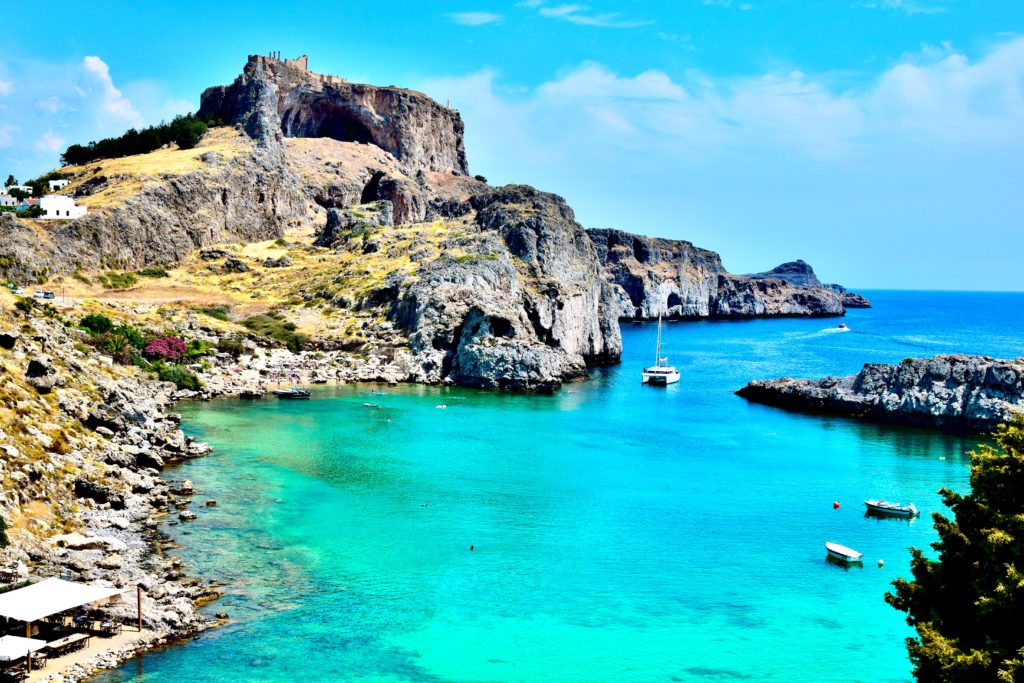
column 164, row 348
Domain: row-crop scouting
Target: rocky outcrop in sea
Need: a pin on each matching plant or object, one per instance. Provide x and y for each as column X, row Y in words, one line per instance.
column 954, row 393
column 800, row 274
column 677, row 280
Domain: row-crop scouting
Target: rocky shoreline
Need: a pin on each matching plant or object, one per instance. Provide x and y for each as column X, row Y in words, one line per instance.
column 955, row 393
column 84, row 493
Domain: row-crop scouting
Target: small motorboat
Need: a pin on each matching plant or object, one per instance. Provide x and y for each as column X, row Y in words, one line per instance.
column 884, row 507
column 841, row 553
column 371, row 405
column 294, row 392
column 843, row 326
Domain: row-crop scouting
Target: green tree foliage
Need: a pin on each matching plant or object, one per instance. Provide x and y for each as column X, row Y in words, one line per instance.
column 4, row 541
column 18, row 194
column 967, row 606
column 97, row 323
column 186, row 131
column 10, row 181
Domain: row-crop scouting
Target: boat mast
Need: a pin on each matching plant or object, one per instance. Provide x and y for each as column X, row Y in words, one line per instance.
column 657, row 353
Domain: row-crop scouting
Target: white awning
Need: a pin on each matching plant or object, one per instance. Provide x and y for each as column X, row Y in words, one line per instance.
column 50, row 596
column 15, row 647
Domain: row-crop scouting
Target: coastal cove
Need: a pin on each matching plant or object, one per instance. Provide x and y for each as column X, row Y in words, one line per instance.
column 643, row 533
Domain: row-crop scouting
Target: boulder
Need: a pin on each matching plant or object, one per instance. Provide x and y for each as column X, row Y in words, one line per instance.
column 8, row 338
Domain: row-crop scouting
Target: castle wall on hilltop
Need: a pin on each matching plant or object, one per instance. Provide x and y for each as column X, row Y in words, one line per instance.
column 275, row 98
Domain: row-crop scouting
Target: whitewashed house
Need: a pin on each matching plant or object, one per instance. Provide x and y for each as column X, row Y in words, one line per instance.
column 24, row 188
column 59, row 206
column 58, row 184
column 8, row 200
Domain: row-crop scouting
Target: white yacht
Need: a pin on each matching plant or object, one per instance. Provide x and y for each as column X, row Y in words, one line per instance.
column 661, row 373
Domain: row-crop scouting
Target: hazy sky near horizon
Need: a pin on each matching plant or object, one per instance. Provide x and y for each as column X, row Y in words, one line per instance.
column 882, row 141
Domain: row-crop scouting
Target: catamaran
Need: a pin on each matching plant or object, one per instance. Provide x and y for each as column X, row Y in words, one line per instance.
column 661, row 373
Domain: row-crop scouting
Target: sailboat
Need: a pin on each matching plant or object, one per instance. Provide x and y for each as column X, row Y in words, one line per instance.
column 661, row 373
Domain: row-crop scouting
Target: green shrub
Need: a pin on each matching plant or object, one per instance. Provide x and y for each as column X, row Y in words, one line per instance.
column 197, row 348
column 97, row 323
column 231, row 346
column 131, row 335
column 24, row 305
column 274, row 326
column 114, row 280
column 152, row 271
column 4, row 541
column 280, row 242
column 80, row 276
column 218, row 312
column 183, row 378
column 481, row 178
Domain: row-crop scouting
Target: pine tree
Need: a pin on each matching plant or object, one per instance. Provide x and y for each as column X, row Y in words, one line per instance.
column 968, row 605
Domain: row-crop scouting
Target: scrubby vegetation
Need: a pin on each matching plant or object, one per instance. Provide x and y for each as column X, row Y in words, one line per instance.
column 185, row 131
column 114, row 280
column 152, row 271
column 216, row 312
column 274, row 326
column 183, row 378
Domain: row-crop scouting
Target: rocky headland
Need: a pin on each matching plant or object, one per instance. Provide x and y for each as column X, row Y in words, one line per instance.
column 469, row 284
column 800, row 274
column 679, row 281
column 956, row 393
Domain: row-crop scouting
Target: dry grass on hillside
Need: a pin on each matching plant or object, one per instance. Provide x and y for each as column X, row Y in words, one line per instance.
column 133, row 173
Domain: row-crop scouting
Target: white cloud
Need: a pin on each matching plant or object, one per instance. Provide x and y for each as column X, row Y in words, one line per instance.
column 51, row 104
column 728, row 3
column 581, row 15
column 756, row 166
column 906, row 6
column 474, row 18
column 50, row 142
column 6, row 88
column 111, row 101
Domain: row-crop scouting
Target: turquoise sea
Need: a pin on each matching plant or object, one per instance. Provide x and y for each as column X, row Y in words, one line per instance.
column 621, row 532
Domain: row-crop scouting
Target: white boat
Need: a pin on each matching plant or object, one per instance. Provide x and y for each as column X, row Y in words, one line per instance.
column 884, row 507
column 661, row 373
column 843, row 554
column 294, row 392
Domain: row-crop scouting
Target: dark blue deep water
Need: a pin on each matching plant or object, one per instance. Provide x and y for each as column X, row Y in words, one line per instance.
column 622, row 533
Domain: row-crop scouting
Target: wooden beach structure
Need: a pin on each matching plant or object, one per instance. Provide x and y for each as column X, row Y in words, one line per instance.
column 50, row 608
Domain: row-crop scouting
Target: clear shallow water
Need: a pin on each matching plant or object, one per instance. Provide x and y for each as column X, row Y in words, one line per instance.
column 622, row 532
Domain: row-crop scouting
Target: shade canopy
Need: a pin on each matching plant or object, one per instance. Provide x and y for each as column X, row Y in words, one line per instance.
column 50, row 596
column 15, row 647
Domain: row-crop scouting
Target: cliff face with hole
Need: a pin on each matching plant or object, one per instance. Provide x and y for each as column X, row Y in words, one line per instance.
column 273, row 99
column 952, row 392
column 677, row 280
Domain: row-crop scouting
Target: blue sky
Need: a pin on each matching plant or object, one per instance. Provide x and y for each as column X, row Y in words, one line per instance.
column 880, row 140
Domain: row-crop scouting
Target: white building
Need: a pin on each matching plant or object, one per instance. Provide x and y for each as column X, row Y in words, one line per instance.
column 8, row 200
column 58, row 184
column 24, row 188
column 59, row 206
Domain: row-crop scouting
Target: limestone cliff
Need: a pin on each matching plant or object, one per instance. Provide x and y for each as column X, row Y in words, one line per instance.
column 275, row 98
column 678, row 280
column 512, row 298
column 952, row 392
column 156, row 208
